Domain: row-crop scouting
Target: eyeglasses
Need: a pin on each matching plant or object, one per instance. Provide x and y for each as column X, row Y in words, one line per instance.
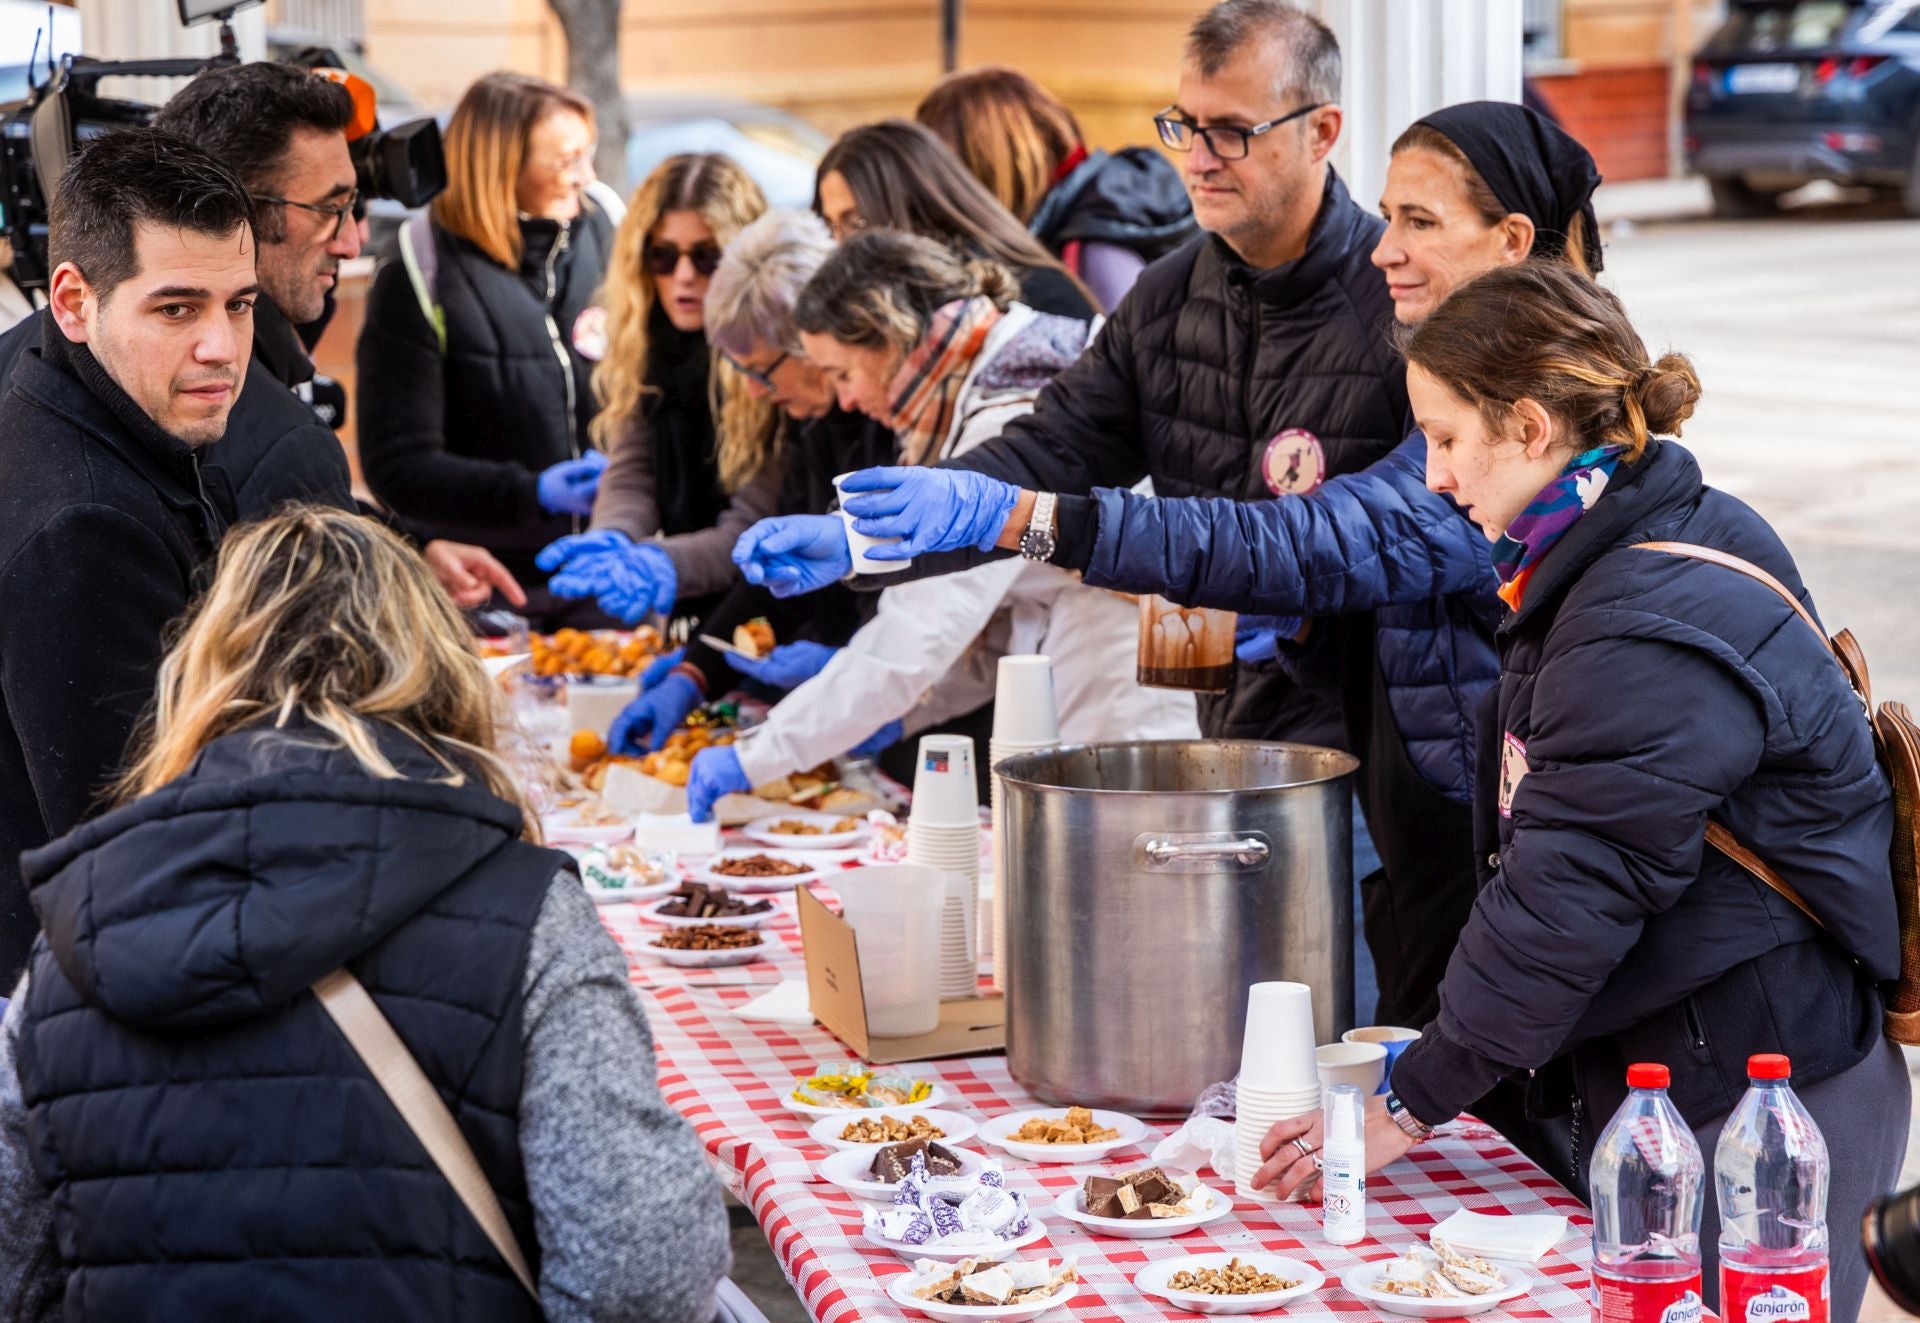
column 1226, row 141
column 851, row 223
column 762, row 377
column 663, row 259
column 339, row 213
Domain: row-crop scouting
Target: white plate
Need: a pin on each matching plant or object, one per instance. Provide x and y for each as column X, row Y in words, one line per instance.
column 787, row 883
column 762, row 831
column 995, row 1132
column 1006, row 1249
column 721, row 645
column 1070, row 1206
column 1153, row 1279
column 744, row 955
column 848, row 1169
column 565, row 827
column 1359, row 1281
column 936, row 1094
column 956, row 1128
column 897, row 1292
column 652, row 914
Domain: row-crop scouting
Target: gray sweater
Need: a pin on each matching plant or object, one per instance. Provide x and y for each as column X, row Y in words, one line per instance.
column 631, row 1221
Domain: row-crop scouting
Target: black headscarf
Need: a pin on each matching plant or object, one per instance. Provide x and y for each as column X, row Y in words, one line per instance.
column 1533, row 167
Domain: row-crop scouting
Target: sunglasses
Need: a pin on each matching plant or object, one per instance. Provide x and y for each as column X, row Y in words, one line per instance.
column 663, row 259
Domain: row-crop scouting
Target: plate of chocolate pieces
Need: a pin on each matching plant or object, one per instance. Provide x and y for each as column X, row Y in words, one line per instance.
column 977, row 1289
column 1149, row 1204
column 875, row 1174
column 695, row 903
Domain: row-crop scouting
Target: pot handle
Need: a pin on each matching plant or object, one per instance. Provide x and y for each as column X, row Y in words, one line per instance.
column 1203, row 852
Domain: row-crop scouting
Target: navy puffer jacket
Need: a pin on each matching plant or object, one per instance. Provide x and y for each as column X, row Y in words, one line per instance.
column 1640, row 695
column 1376, row 540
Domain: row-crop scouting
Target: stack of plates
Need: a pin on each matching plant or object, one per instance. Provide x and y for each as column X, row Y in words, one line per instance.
column 955, row 851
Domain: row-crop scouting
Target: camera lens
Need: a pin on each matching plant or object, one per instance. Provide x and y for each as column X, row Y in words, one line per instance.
column 1890, row 1234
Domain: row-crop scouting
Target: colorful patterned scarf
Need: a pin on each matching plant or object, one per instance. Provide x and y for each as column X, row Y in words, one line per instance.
column 1546, row 520
column 925, row 390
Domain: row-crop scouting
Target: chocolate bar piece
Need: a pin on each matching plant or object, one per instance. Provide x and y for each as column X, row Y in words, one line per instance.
column 892, row 1163
column 1131, row 1197
column 1102, row 1196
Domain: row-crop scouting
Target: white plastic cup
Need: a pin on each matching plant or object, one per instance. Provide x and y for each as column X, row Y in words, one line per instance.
column 895, row 913
column 1276, row 1055
column 1023, row 706
column 945, row 793
column 1363, row 1065
column 857, row 543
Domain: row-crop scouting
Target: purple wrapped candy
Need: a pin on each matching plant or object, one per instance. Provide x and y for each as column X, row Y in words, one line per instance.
column 946, row 1218
column 991, row 1176
column 919, row 1231
column 913, row 1186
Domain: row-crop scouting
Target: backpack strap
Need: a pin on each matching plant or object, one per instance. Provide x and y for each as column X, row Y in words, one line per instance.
column 421, row 256
column 1718, row 836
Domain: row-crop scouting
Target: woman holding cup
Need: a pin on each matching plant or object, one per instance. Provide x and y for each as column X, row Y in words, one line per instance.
column 938, row 348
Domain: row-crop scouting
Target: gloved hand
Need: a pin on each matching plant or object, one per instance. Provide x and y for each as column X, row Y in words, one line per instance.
column 794, row 554
column 569, row 487
column 787, row 665
column 631, row 580
column 658, row 668
column 715, row 772
column 1258, row 638
column 932, row 509
column 884, row 738
column 650, row 718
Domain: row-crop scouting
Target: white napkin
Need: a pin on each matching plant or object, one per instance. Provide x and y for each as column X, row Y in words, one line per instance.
column 678, row 832
column 784, row 1003
column 1204, row 1141
column 1498, row 1236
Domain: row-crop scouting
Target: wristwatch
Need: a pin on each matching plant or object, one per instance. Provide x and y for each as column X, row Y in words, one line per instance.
column 1414, row 1128
column 1039, row 541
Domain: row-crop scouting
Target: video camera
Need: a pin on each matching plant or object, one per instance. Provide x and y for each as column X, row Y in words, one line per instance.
column 40, row 135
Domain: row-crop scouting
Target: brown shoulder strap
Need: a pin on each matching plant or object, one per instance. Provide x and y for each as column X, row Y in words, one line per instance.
column 1718, row 836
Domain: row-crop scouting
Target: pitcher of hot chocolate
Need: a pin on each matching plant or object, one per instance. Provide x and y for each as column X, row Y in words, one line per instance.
column 1184, row 647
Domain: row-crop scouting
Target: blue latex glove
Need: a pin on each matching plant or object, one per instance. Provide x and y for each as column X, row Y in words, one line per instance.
column 715, row 772
column 569, row 487
column 657, row 668
column 931, row 509
column 631, row 582
column 644, row 724
column 1258, row 638
column 884, row 738
column 794, row 554
column 787, row 665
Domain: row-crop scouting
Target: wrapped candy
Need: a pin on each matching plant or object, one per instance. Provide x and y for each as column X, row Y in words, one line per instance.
column 945, row 1218
column 951, row 1213
column 989, row 1208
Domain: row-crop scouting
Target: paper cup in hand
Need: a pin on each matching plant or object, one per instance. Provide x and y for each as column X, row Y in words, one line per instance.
column 1023, row 707
column 858, row 543
column 1276, row 1054
column 945, row 793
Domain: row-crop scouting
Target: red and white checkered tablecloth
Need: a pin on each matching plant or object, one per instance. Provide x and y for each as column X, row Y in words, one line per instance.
column 728, row 1077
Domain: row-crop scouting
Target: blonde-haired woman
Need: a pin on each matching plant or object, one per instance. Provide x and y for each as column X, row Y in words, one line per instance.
column 476, row 359
column 183, row 1131
column 1105, row 216
column 692, row 452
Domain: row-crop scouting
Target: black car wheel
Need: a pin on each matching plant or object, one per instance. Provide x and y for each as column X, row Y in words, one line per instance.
column 1736, row 199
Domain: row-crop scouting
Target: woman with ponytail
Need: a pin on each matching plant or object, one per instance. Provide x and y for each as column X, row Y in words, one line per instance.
column 1642, row 695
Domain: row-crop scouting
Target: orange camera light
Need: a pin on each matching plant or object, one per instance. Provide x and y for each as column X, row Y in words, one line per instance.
column 365, row 113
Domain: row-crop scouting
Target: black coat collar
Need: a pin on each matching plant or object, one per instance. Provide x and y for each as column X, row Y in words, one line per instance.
column 277, row 346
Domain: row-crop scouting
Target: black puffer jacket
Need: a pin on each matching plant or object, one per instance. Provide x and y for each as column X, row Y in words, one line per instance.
column 454, row 440
column 1203, row 365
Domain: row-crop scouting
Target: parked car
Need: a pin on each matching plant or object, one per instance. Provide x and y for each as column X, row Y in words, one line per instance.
column 1789, row 91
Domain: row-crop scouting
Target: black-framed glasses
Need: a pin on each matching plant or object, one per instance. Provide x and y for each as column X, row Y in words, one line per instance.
column 763, row 377
column 339, row 211
column 847, row 226
column 1229, row 142
column 663, row 259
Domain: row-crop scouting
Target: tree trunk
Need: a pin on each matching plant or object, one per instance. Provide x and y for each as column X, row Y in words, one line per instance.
column 593, row 70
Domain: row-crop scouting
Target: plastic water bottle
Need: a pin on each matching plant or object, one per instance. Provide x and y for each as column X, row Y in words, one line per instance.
column 1649, row 1187
column 1771, row 1169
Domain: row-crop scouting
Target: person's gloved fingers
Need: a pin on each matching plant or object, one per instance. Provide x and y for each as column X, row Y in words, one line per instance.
column 805, row 535
column 754, row 668
column 572, row 584
column 622, row 736
column 898, row 525
column 879, row 478
column 624, row 607
column 873, row 505
column 891, row 551
column 659, row 668
column 561, row 550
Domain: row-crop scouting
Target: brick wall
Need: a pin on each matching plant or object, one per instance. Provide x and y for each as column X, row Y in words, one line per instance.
column 1620, row 113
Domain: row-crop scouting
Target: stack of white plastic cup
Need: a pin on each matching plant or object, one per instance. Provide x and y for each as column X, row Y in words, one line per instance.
column 1279, row 1076
column 1024, row 719
column 944, row 833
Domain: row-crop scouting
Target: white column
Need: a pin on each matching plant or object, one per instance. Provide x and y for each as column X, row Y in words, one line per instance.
column 151, row 30
column 1405, row 58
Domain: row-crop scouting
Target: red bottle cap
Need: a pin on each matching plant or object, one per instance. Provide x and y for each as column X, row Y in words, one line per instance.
column 1648, row 1075
column 1769, row 1066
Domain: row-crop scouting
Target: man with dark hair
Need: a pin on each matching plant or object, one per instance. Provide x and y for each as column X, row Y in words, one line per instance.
column 104, row 519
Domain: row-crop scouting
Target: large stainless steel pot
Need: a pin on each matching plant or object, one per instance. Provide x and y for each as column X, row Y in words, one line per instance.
column 1146, row 886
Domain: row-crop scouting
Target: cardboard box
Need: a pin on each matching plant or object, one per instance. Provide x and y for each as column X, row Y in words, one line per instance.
column 978, row 1024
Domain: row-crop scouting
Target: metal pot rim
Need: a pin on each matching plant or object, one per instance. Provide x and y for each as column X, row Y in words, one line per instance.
column 1345, row 764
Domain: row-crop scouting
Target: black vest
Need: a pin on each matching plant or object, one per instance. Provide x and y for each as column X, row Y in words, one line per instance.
column 215, row 1147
